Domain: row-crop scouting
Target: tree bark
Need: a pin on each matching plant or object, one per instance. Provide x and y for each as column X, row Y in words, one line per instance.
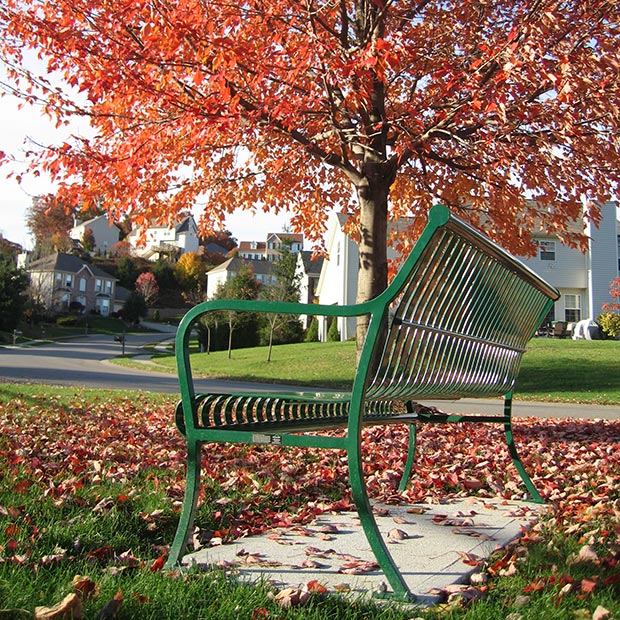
column 373, row 269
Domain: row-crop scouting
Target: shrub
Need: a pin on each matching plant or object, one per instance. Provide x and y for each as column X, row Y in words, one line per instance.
column 333, row 335
column 67, row 321
column 609, row 323
column 312, row 333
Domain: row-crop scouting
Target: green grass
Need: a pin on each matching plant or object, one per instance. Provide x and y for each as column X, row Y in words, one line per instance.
column 582, row 371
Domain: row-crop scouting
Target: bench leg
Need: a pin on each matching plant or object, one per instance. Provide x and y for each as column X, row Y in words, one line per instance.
column 516, row 459
column 410, row 457
column 186, row 520
column 400, row 589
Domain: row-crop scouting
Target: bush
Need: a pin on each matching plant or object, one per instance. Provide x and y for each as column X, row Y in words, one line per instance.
column 609, row 323
column 333, row 335
column 312, row 333
column 67, row 321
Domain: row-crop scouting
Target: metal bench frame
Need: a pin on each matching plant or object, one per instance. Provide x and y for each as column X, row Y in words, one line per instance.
column 453, row 323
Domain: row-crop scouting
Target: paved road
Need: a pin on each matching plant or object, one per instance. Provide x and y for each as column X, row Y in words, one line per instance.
column 84, row 362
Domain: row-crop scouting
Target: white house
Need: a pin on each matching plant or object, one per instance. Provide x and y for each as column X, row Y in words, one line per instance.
column 171, row 241
column 308, row 270
column 582, row 279
column 105, row 233
column 217, row 276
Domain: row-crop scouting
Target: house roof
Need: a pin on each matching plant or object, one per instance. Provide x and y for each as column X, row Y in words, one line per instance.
column 293, row 237
column 251, row 246
column 234, row 264
column 185, row 224
column 85, row 223
column 67, row 263
column 312, row 267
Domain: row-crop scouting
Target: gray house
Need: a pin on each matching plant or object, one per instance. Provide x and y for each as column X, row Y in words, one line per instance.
column 62, row 281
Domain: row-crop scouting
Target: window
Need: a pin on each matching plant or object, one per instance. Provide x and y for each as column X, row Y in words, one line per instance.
column 546, row 250
column 108, row 287
column 98, row 285
column 572, row 308
column 82, row 285
column 68, row 280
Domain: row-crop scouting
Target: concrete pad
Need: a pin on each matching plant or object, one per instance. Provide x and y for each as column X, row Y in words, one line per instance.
column 434, row 546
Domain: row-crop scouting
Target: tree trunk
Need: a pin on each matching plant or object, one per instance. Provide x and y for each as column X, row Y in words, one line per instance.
column 373, row 200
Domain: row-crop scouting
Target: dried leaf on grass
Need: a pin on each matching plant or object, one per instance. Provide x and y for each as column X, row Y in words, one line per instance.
column 70, row 608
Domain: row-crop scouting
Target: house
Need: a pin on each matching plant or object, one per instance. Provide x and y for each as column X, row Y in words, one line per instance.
column 271, row 249
column 217, row 276
column 308, row 270
column 277, row 241
column 251, row 250
column 165, row 241
column 62, row 281
column 105, row 233
column 582, row 279
column 337, row 284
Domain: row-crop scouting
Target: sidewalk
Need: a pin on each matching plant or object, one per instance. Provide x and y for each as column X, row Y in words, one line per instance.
column 434, row 546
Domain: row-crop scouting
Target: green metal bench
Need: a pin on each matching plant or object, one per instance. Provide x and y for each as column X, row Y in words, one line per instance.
column 453, row 323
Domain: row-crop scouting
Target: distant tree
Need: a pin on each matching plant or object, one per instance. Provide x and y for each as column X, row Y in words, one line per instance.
column 243, row 285
column 127, row 272
column 312, row 335
column 614, row 292
column 222, row 238
column 164, row 272
column 146, row 285
column 121, row 249
column 285, row 327
column 13, row 285
column 88, row 240
column 190, row 270
column 49, row 221
column 333, row 335
column 135, row 307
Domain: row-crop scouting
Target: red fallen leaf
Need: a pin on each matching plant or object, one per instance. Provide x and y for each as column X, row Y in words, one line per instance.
column 358, row 567
column 158, row 564
column 316, row 587
column 260, row 612
column 471, row 559
column 535, row 586
column 123, row 498
column 11, row 530
column 84, row 586
column 587, row 586
column 103, row 553
column 141, row 598
column 11, row 545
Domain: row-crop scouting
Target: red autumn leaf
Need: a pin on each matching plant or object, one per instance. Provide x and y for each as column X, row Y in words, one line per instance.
column 158, row 564
column 588, row 586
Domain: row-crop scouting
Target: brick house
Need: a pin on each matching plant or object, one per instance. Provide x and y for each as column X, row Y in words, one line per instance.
column 62, row 281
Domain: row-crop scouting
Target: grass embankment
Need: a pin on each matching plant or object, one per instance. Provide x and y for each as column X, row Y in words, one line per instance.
column 581, row 371
column 90, row 483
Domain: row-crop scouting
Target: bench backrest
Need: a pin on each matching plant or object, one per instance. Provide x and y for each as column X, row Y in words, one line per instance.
column 461, row 314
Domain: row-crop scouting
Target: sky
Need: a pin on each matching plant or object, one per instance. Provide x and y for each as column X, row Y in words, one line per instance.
column 17, row 126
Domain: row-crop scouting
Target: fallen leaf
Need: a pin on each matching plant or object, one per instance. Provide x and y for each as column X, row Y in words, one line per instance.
column 600, row 613
column 110, row 609
column 70, row 608
column 396, row 534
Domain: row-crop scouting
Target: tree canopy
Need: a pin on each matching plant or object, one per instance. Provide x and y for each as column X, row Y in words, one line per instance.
column 377, row 108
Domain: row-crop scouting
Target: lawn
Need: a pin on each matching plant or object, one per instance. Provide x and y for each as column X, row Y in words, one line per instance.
column 583, row 371
column 90, row 483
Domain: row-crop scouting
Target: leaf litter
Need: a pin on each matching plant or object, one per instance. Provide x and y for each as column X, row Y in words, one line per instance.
column 59, row 450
